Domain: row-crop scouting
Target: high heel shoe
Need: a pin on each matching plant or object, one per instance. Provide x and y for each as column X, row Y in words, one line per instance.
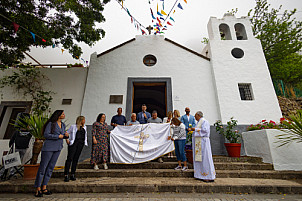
column 40, row 194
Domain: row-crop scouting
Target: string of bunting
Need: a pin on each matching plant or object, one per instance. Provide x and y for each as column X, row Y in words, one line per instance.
column 34, row 36
column 160, row 24
column 137, row 24
column 160, row 19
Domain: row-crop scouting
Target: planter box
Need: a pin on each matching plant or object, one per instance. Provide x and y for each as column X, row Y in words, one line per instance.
column 263, row 143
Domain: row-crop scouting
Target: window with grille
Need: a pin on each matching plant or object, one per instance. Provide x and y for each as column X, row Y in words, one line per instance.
column 245, row 91
column 149, row 60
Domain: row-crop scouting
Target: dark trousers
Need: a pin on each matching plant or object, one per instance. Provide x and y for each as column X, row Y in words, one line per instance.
column 47, row 164
column 74, row 152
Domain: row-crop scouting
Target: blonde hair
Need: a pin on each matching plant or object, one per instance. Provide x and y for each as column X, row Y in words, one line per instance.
column 170, row 114
column 79, row 121
column 177, row 113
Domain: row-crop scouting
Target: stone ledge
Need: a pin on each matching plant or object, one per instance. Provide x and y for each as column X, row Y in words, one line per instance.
column 264, row 174
column 172, row 165
column 147, row 185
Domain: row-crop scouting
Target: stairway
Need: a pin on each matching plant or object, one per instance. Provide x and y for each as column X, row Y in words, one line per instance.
column 234, row 175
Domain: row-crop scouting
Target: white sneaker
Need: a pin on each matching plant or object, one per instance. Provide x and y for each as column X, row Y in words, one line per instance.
column 105, row 166
column 96, row 167
column 178, row 168
column 185, row 168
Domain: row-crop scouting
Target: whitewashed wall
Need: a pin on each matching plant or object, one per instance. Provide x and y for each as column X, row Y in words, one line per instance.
column 67, row 83
column 229, row 71
column 190, row 74
column 264, row 144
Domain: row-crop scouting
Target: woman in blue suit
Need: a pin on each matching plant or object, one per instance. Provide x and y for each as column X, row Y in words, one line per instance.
column 54, row 133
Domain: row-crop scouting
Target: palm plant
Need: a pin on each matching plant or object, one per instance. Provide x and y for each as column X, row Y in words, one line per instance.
column 292, row 129
column 34, row 124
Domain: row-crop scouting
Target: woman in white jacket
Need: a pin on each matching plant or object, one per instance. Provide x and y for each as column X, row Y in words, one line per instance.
column 77, row 138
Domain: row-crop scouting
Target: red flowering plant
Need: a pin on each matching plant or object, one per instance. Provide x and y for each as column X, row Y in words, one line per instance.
column 264, row 124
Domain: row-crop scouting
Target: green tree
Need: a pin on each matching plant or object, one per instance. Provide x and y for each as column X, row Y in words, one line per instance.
column 281, row 39
column 65, row 22
column 30, row 82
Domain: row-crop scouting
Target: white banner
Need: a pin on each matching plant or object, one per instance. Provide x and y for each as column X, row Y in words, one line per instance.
column 139, row 143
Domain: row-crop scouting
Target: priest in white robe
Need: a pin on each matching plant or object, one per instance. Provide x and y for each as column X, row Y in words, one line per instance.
column 202, row 153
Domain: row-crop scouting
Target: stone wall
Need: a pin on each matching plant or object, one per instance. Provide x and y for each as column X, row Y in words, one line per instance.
column 289, row 106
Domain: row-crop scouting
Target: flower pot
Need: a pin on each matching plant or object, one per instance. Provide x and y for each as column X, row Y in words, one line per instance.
column 233, row 149
column 30, row 171
column 189, row 155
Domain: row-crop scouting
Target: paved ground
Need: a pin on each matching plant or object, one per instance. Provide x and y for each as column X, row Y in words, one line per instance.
column 153, row 197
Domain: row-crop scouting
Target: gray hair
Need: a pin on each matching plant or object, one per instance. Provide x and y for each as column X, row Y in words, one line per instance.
column 199, row 113
column 133, row 114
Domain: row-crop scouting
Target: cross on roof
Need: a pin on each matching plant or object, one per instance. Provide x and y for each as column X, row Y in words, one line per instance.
column 149, row 28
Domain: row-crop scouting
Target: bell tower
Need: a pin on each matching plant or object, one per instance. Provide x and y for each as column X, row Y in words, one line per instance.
column 244, row 89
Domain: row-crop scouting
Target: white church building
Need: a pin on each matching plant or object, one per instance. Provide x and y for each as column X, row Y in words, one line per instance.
column 229, row 78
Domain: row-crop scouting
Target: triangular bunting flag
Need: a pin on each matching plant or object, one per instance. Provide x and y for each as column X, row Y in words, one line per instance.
column 161, row 18
column 34, row 36
column 157, row 8
column 185, row 1
column 62, row 50
column 169, row 23
column 43, row 40
column 143, row 32
column 164, row 29
column 128, row 12
column 179, row 6
column 152, row 14
column 158, row 13
column 53, row 45
column 163, row 12
column 16, row 26
column 172, row 19
column 173, row 11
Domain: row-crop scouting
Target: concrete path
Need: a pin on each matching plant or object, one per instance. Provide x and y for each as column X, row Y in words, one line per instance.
column 153, row 197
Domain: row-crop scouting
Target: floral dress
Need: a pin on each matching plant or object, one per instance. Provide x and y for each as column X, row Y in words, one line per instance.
column 100, row 150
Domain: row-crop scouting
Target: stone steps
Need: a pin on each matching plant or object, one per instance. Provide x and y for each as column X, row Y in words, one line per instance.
column 264, row 174
column 224, row 159
column 157, row 185
column 172, row 165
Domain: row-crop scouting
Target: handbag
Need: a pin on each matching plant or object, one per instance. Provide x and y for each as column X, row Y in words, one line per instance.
column 11, row 159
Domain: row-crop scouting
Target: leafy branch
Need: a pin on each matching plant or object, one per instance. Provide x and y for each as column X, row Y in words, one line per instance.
column 28, row 81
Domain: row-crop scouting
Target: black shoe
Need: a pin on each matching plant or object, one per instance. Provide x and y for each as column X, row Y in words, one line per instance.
column 46, row 192
column 66, row 179
column 40, row 194
column 73, row 178
column 207, row 181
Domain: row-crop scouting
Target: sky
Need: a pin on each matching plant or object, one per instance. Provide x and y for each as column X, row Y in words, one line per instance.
column 189, row 28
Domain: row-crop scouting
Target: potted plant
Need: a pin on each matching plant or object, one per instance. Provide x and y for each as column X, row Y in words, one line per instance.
column 188, row 147
column 233, row 136
column 34, row 124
